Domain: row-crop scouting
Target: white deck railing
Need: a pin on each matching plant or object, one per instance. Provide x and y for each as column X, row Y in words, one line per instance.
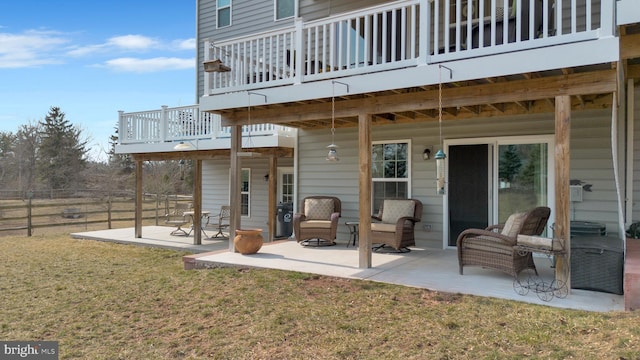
column 391, row 36
column 401, row 34
column 183, row 123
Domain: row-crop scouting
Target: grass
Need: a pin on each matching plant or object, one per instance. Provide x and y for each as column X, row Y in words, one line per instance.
column 110, row 301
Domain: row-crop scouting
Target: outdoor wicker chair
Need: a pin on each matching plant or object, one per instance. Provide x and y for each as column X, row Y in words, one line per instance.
column 318, row 220
column 493, row 247
column 396, row 222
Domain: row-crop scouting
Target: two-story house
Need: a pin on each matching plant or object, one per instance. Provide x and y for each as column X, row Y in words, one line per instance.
column 525, row 98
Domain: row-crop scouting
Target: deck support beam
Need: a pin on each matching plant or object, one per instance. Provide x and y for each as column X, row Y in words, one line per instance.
column 562, row 179
column 364, row 163
column 138, row 215
column 197, row 202
column 234, row 186
column 273, row 192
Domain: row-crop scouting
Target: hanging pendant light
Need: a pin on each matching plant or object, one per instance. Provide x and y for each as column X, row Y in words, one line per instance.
column 249, row 140
column 440, row 155
column 333, row 152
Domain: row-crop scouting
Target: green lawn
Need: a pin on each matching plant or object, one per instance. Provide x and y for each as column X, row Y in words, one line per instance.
column 109, row 301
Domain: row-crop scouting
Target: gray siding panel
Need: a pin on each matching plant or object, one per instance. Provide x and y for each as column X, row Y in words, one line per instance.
column 215, row 189
column 590, row 161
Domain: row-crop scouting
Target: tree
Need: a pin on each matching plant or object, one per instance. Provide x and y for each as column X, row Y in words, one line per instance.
column 510, row 163
column 7, row 158
column 28, row 142
column 122, row 162
column 62, row 153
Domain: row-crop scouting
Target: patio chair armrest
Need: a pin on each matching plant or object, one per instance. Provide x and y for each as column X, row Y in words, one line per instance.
column 494, row 228
column 487, row 235
column 299, row 217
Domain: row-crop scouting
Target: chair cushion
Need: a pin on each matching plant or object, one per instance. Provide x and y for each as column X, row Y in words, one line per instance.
column 382, row 227
column 315, row 224
column 392, row 210
column 318, row 209
column 514, row 223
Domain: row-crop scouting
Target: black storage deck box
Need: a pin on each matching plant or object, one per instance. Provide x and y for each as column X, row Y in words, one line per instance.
column 588, row 228
column 597, row 263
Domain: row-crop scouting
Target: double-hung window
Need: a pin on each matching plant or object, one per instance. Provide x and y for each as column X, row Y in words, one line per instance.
column 223, row 13
column 245, row 191
column 390, row 171
column 285, row 9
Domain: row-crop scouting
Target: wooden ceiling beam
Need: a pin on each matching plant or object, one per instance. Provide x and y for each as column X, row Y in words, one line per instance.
column 218, row 154
column 596, row 82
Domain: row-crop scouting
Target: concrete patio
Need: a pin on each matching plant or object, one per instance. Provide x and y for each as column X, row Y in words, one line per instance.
column 432, row 269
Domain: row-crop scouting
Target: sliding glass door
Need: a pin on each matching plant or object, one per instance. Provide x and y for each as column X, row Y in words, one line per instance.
column 492, row 178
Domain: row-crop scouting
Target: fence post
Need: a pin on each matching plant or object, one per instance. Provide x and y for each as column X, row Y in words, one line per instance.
column 30, row 196
column 109, row 206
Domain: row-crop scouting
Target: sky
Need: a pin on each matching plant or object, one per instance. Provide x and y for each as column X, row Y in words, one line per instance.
column 92, row 59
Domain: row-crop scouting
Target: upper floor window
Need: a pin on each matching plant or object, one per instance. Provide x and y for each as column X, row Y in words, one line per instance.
column 223, row 12
column 285, row 9
column 390, row 171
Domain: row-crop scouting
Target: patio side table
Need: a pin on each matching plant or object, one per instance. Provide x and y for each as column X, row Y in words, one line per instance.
column 353, row 232
column 544, row 289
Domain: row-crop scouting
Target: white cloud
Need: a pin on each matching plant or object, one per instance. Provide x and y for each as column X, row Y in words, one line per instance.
column 132, row 42
column 149, row 65
column 31, row 48
column 188, row 44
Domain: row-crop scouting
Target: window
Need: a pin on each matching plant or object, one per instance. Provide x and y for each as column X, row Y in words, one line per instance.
column 223, row 13
column 245, row 191
column 285, row 9
column 390, row 172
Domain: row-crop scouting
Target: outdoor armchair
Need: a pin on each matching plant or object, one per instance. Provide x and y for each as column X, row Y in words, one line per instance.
column 219, row 223
column 493, row 247
column 317, row 220
column 177, row 218
column 396, row 222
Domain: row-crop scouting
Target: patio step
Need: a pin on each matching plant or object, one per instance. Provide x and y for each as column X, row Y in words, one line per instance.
column 632, row 275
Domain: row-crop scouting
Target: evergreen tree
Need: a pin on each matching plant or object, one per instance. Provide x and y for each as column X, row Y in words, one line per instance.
column 510, row 163
column 62, row 152
column 122, row 162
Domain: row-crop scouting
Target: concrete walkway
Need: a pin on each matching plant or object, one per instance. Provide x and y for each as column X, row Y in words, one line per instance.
column 432, row 269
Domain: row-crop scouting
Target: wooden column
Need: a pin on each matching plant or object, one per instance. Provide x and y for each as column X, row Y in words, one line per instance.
column 364, row 161
column 235, row 177
column 562, row 162
column 138, row 215
column 273, row 194
column 197, row 202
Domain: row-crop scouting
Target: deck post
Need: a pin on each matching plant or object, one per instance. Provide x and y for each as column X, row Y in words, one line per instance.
column 197, row 202
column 562, row 162
column 235, row 197
column 273, row 191
column 364, row 156
column 138, row 215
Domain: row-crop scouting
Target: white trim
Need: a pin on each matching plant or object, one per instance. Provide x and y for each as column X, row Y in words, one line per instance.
column 493, row 143
column 630, row 151
column 230, row 7
column 409, row 161
column 275, row 11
